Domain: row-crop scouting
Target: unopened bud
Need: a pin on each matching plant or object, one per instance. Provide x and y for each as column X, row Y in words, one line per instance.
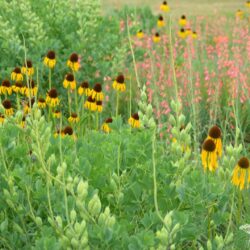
column 94, row 206
column 73, row 215
column 39, row 221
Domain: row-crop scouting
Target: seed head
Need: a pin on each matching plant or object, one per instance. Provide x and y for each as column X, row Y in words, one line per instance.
column 7, row 104
column 215, row 132
column 51, row 54
column 243, row 163
column 98, row 87
column 70, row 77
column 68, row 130
column 135, row 116
column 209, row 145
column 73, row 57
column 120, row 78
column 53, row 93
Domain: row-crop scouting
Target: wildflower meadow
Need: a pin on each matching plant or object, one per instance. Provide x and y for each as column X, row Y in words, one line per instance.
column 124, row 125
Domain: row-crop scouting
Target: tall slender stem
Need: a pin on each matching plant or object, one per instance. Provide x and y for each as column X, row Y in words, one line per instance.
column 154, row 178
column 133, row 55
column 69, row 102
column 50, row 78
column 117, row 104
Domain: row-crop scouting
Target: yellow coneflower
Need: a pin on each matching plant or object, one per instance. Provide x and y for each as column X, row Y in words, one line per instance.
column 209, row 155
column 5, row 88
column 105, row 125
column 69, row 81
column 97, row 93
column 74, row 118
column 50, row 59
column 41, row 103
column 22, row 123
column 27, row 68
column 188, row 32
column 194, row 35
column 1, row 118
column 28, row 106
column 241, row 174
column 19, row 88
column 52, row 98
column 119, row 83
column 8, row 110
column 56, row 114
column 99, row 106
column 84, row 89
column 68, row 131
column 90, row 104
column 215, row 134
column 156, row 37
column 134, row 120
column 239, row 14
column 247, row 4
column 73, row 62
column 164, row 6
column 182, row 33
column 59, row 132
column 140, row 34
column 32, row 90
column 183, row 21
column 16, row 75
column 160, row 22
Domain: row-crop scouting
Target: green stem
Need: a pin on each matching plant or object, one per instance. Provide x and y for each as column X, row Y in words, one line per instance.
column 172, row 59
column 192, row 95
column 18, row 101
column 239, row 207
column 130, row 98
column 231, row 216
column 76, row 97
column 69, row 102
column 154, row 179
column 50, row 78
column 117, row 104
column 133, row 55
column 97, row 120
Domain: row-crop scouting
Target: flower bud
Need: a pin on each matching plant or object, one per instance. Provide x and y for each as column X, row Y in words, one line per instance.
column 168, row 219
column 172, row 120
column 51, row 159
column 209, row 245
column 59, row 221
column 69, row 179
column 76, row 180
column 111, row 221
column 175, row 229
column 74, row 242
column 73, row 215
column 84, row 242
column 172, row 247
column 94, row 206
column 229, row 239
column 181, row 119
column 149, row 110
column 39, row 221
column 113, row 185
column 64, row 167
column 162, row 236
column 82, row 189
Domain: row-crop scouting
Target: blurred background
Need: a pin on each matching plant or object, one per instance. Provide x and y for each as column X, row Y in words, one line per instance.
column 202, row 7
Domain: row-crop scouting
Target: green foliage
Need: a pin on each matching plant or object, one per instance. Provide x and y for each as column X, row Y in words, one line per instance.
column 127, row 189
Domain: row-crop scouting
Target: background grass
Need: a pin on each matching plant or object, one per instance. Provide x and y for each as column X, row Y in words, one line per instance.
column 194, row 7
